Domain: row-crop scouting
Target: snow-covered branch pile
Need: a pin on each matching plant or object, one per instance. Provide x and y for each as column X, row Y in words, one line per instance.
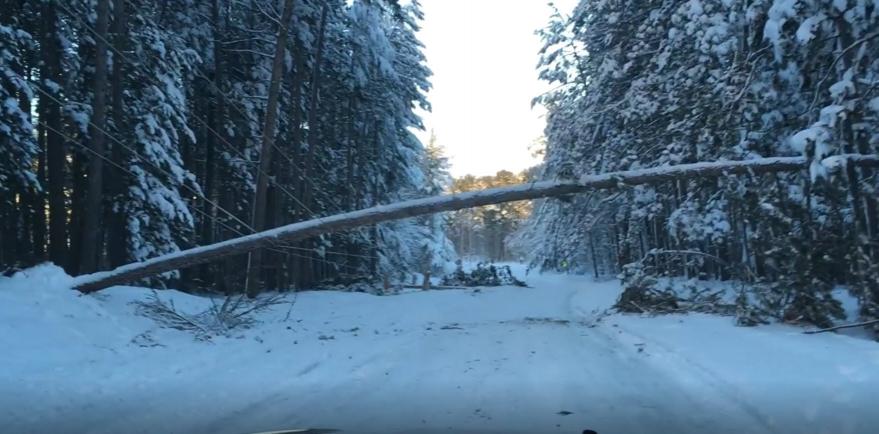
column 643, row 293
column 483, row 275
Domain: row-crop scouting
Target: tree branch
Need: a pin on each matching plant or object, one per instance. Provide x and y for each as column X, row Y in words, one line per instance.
column 843, row 326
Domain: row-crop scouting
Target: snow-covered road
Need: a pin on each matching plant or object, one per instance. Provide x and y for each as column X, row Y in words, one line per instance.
column 503, row 360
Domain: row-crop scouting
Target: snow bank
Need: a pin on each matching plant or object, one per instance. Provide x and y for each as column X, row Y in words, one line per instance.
column 38, row 310
column 42, row 316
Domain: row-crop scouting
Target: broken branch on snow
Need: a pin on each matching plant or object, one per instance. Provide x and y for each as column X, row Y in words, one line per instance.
column 842, row 326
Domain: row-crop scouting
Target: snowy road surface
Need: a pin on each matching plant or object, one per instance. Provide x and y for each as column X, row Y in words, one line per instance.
column 502, row 360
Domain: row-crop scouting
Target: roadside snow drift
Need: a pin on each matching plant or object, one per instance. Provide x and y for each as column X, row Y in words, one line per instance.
column 543, row 359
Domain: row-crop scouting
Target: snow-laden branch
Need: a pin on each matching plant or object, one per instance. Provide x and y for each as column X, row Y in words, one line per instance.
column 452, row 202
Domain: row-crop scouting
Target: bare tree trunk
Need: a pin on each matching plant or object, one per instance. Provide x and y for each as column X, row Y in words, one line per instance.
column 32, row 212
column 349, row 158
column 431, row 205
column 592, row 254
column 349, row 174
column 50, row 115
column 217, row 123
column 864, row 206
column 91, row 241
column 77, row 207
column 268, row 142
column 306, row 186
column 40, row 223
column 116, row 229
column 293, row 171
column 313, row 112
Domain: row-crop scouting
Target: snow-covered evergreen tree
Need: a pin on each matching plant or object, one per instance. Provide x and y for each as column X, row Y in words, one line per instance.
column 18, row 175
column 677, row 81
column 20, row 149
column 183, row 129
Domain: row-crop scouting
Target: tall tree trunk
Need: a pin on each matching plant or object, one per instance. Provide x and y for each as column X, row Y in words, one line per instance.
column 291, row 174
column 117, row 252
column 31, row 213
column 77, row 207
column 350, row 143
column 349, row 174
column 268, row 142
column 40, row 227
column 313, row 112
column 864, row 206
column 217, row 123
column 91, row 241
column 8, row 241
column 306, row 186
column 592, row 254
column 50, row 114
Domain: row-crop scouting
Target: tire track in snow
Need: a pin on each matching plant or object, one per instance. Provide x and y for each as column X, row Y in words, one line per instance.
column 639, row 362
column 686, row 366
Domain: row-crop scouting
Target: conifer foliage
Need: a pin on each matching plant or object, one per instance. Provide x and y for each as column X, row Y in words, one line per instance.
column 161, row 108
column 679, row 81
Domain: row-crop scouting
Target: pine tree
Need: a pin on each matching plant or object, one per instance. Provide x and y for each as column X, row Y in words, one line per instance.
column 155, row 205
column 18, row 179
column 166, row 151
column 681, row 81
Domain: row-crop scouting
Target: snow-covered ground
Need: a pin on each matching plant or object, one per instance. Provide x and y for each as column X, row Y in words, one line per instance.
column 502, row 360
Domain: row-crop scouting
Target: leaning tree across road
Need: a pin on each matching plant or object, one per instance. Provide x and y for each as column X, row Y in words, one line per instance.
column 411, row 208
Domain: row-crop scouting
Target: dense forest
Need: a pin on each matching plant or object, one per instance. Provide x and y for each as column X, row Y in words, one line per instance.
column 233, row 216
column 682, row 81
column 134, row 128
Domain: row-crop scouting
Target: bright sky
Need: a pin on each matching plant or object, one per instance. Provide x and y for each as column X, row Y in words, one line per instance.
column 483, row 55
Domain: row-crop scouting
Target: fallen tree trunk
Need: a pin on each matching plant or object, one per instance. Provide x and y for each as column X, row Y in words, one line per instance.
column 430, row 205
